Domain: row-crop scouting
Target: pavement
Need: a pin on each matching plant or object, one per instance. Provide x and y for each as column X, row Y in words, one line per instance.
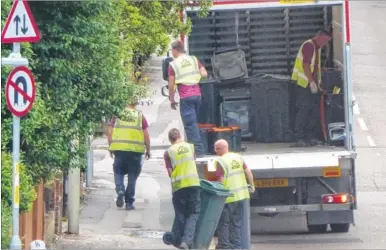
column 105, row 226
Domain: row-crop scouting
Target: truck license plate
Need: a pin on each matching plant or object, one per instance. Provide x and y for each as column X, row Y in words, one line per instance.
column 271, row 183
column 296, row 1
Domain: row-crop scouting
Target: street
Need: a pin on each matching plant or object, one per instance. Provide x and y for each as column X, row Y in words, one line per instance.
column 155, row 213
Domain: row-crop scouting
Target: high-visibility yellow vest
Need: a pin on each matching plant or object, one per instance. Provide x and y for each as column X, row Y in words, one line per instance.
column 234, row 177
column 128, row 134
column 298, row 72
column 186, row 70
column 184, row 172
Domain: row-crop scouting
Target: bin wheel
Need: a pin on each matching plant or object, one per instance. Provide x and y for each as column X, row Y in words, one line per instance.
column 168, row 238
column 340, row 228
column 317, row 229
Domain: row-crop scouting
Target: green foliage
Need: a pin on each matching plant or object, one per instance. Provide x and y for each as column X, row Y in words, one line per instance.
column 148, row 25
column 27, row 190
column 6, row 220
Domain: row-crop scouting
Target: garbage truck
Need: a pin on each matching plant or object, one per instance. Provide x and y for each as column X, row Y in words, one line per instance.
column 249, row 49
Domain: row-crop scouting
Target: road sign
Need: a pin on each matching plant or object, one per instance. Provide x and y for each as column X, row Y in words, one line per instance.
column 20, row 26
column 20, row 91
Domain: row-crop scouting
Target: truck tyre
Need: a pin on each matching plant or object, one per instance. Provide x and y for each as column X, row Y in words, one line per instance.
column 340, row 228
column 317, row 229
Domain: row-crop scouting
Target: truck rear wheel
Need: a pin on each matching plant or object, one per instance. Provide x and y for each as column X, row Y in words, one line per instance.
column 340, row 228
column 317, row 229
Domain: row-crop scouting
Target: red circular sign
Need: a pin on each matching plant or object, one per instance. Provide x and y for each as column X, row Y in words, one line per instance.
column 20, row 91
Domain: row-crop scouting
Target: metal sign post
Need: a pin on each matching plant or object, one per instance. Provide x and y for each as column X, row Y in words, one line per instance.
column 19, row 92
column 15, row 241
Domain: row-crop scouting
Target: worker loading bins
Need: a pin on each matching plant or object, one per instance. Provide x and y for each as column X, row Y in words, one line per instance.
column 257, row 97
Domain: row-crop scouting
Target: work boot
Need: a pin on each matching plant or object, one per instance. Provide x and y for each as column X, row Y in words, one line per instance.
column 183, row 246
column 299, row 144
column 120, row 197
column 129, row 206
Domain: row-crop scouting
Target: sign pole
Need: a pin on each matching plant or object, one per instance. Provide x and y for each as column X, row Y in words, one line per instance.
column 19, row 27
column 15, row 241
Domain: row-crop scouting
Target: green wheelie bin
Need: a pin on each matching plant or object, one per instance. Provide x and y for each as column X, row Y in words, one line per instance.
column 213, row 196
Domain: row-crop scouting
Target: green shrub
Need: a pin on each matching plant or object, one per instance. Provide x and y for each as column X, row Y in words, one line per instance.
column 27, row 188
column 6, row 220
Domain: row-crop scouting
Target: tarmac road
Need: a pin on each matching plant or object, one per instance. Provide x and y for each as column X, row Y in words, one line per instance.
column 368, row 25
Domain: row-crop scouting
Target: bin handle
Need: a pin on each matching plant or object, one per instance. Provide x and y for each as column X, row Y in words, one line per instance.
column 164, row 91
column 226, row 50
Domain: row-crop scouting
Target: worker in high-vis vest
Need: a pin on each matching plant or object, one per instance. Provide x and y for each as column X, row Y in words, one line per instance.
column 307, row 77
column 232, row 171
column 129, row 142
column 185, row 73
column 181, row 166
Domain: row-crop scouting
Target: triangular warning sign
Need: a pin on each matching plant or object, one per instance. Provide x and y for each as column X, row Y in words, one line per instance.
column 20, row 25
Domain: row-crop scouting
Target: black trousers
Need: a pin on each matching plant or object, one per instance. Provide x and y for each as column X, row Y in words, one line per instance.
column 229, row 226
column 130, row 164
column 186, row 202
column 307, row 123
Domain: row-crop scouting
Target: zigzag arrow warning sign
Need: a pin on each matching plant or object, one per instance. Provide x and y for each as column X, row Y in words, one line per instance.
column 20, row 26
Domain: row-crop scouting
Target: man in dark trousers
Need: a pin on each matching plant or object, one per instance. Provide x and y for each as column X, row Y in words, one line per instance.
column 307, row 74
column 181, row 167
column 232, row 171
column 185, row 73
column 128, row 140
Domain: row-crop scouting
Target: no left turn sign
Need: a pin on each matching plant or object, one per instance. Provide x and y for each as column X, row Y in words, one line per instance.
column 20, row 91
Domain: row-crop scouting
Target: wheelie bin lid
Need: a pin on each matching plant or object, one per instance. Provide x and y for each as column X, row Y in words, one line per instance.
column 214, row 187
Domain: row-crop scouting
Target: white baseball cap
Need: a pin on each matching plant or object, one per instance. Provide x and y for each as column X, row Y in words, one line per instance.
column 37, row 244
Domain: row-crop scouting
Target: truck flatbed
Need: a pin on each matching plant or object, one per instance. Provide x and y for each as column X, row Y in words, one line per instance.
column 252, row 148
column 272, row 160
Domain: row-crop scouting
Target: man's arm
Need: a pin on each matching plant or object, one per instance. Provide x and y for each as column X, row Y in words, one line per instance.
column 308, row 51
column 109, row 130
column 203, row 71
column 219, row 171
column 145, row 126
column 147, row 140
column 171, row 83
column 168, row 163
column 249, row 174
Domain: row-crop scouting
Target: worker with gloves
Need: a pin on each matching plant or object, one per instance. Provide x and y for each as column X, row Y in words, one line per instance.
column 128, row 140
column 307, row 74
column 181, row 167
column 185, row 73
column 232, row 171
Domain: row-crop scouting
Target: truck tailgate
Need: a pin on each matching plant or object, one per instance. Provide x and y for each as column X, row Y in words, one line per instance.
column 295, row 160
column 290, row 165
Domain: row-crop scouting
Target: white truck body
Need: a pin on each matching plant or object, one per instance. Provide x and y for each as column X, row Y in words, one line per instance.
column 295, row 179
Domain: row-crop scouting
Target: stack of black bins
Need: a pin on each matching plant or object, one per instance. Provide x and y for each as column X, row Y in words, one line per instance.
column 270, row 103
column 208, row 113
column 206, row 133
